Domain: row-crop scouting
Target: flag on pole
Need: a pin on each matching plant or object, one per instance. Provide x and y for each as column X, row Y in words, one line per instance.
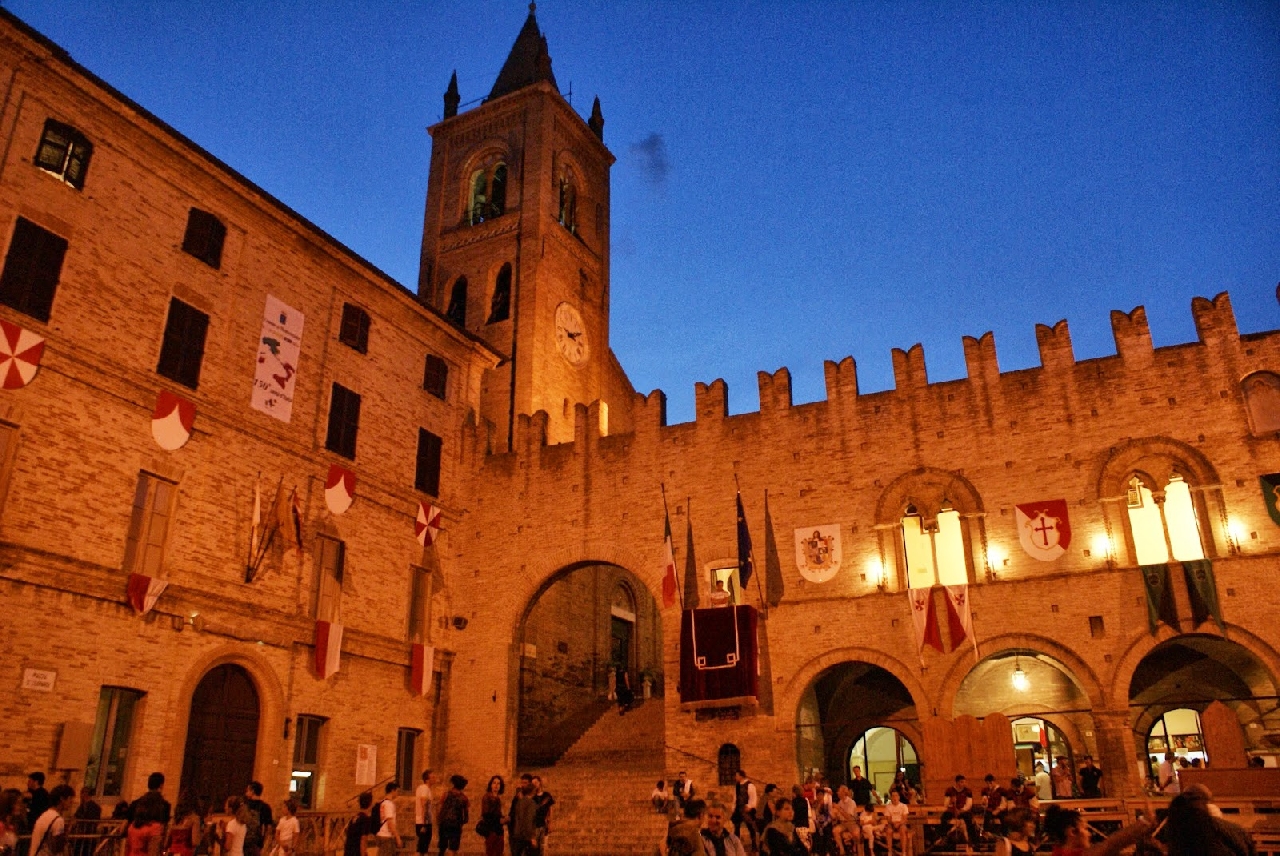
column 669, row 582
column 421, row 663
column 295, row 511
column 773, row 582
column 328, row 649
column 144, row 591
column 692, row 578
column 746, row 560
column 255, row 531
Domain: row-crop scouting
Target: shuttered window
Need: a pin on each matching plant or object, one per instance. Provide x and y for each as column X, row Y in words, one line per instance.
column 354, row 332
column 65, row 152
column 427, row 475
column 31, row 269
column 204, row 237
column 435, row 377
column 331, row 557
column 154, row 502
column 344, row 421
column 182, row 351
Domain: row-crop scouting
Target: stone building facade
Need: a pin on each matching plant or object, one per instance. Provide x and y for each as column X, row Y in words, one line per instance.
column 548, row 470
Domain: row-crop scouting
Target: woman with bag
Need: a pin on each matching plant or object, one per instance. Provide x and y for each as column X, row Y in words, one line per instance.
column 491, row 819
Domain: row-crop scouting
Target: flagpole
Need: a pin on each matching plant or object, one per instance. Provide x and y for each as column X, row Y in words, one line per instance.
column 751, row 550
column 254, row 521
column 667, row 518
column 252, row 570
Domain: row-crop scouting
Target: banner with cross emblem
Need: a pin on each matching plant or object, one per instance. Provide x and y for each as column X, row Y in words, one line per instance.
column 1043, row 528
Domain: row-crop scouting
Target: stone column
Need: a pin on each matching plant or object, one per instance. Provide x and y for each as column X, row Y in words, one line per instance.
column 1117, row 753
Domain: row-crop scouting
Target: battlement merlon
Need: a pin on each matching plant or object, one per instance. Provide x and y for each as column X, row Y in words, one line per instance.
column 775, row 390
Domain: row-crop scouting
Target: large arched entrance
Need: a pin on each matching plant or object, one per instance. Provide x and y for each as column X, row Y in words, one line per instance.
column 1049, row 709
column 1178, row 679
column 839, row 709
column 587, row 622
column 222, row 735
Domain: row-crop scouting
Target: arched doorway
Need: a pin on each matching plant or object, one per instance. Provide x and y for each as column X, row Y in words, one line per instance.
column 585, row 623
column 839, row 707
column 1174, row 683
column 222, row 735
column 882, row 753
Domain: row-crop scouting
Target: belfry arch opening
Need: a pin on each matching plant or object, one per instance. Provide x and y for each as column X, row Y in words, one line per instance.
column 1177, row 681
column 589, row 624
column 839, row 709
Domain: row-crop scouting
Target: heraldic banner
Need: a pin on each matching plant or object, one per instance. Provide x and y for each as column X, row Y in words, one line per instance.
column 719, row 662
column 1160, row 606
column 1203, row 591
column 1044, row 530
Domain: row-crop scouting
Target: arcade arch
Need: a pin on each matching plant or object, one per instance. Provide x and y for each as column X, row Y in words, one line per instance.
column 587, row 622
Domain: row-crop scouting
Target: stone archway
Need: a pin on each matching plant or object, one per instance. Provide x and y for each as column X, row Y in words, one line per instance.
column 222, row 734
column 586, row 624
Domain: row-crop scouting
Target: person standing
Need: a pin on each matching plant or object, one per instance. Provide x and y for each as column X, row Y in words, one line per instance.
column 684, row 835
column 235, row 829
column 491, row 819
column 745, row 798
column 388, row 834
column 256, row 841
column 860, row 788
column 1044, row 784
column 188, row 828
column 520, row 819
column 780, row 838
column 1090, row 779
column 49, row 832
column 1167, row 777
column 359, row 826
column 288, row 829
column 455, row 810
column 424, row 812
column 542, row 820
column 87, row 815
column 152, row 805
column 1063, row 780
column 37, row 798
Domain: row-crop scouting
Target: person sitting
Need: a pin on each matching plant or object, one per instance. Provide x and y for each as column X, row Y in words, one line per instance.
column 896, row 828
column 661, row 797
column 870, row 827
column 1070, row 834
column 958, row 817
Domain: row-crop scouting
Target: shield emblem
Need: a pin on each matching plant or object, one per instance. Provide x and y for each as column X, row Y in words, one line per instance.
column 339, row 489
column 20, row 353
column 172, row 420
column 1271, row 495
column 427, row 526
column 1043, row 528
column 818, row 552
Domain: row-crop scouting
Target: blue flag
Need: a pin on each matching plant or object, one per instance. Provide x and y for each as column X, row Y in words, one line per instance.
column 746, row 560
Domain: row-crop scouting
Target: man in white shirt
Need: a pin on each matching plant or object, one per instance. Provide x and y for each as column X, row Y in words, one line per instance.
column 388, row 836
column 844, row 815
column 423, row 813
column 1044, row 786
column 49, row 834
column 896, row 813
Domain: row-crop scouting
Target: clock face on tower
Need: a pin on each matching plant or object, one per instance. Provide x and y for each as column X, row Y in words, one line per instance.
column 571, row 336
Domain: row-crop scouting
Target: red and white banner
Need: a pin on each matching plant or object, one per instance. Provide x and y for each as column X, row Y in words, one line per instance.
column 144, row 591
column 1043, row 528
column 924, row 618
column 20, row 353
column 959, row 614
column 427, row 526
column 172, row 421
column 328, row 649
column 339, row 489
column 422, row 659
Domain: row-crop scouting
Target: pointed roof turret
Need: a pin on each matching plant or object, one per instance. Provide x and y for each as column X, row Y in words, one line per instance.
column 528, row 63
column 451, row 97
column 596, row 122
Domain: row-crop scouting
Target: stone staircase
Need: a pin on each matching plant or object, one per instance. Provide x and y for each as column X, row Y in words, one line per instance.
column 602, row 786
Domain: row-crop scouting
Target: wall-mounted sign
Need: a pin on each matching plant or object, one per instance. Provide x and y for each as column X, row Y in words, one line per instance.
column 366, row 764
column 40, row 680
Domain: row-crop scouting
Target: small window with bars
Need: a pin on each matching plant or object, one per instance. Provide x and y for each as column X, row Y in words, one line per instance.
column 65, row 152
column 204, row 237
column 344, row 421
column 354, row 332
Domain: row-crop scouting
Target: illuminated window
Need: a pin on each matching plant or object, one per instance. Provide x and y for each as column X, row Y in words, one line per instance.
column 1155, row 529
column 306, row 760
column 934, row 556
column 1178, row 731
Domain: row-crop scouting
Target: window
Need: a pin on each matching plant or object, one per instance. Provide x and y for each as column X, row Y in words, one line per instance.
column 1178, row 731
column 344, row 421
column 354, row 332
column 1262, row 399
column 31, row 270
column 427, row 475
column 500, row 306
column 728, row 763
column 306, row 759
column 568, row 213
column 182, row 350
column 435, row 376
column 728, row 576
column 64, row 152
column 488, row 194
column 204, row 237
column 934, row 556
column 406, row 757
column 331, row 557
column 109, row 750
column 420, row 591
column 457, row 311
column 153, row 507
column 1163, row 521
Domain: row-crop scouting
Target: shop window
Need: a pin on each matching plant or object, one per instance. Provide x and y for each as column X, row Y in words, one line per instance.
column 306, row 759
column 406, row 757
column 457, row 311
column 427, row 472
column 354, row 330
column 182, row 350
column 500, row 306
column 1164, row 520
column 65, row 152
column 344, row 422
column 435, row 376
column 154, row 502
column 331, row 558
column 109, row 748
column 1038, row 743
column 204, row 237
column 31, row 269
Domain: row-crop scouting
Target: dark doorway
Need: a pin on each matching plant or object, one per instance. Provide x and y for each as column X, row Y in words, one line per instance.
column 621, row 649
column 728, row 763
column 222, row 735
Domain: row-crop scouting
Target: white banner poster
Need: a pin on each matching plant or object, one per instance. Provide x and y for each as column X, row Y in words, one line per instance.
column 818, row 552
column 366, row 764
column 278, row 349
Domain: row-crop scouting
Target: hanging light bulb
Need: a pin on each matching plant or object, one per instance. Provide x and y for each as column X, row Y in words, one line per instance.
column 1020, row 681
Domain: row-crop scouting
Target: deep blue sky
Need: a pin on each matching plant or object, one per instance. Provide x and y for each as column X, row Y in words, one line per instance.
column 795, row 181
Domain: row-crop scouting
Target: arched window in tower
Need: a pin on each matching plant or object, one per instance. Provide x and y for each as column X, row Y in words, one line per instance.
column 1262, row 399
column 488, row 194
column 568, row 215
column 479, row 197
column 935, row 555
column 500, row 306
column 498, row 190
column 1163, row 520
column 457, row 311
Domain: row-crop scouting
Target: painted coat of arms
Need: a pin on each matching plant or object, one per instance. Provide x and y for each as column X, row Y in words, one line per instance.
column 818, row 552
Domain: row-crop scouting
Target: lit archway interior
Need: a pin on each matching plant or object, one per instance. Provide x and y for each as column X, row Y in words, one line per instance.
column 1186, row 673
column 587, row 622
column 1049, row 709
column 842, row 704
column 882, row 752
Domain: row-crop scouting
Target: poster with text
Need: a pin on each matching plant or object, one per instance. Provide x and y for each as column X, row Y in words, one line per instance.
column 366, row 764
column 278, row 349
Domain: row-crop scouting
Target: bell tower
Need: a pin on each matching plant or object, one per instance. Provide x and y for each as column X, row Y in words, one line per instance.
column 515, row 244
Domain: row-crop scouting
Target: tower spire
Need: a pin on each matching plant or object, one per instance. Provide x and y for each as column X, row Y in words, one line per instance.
column 528, row 63
column 596, row 122
column 451, row 97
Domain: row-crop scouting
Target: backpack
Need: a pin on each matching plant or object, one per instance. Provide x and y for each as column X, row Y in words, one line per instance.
column 450, row 811
column 253, row 828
